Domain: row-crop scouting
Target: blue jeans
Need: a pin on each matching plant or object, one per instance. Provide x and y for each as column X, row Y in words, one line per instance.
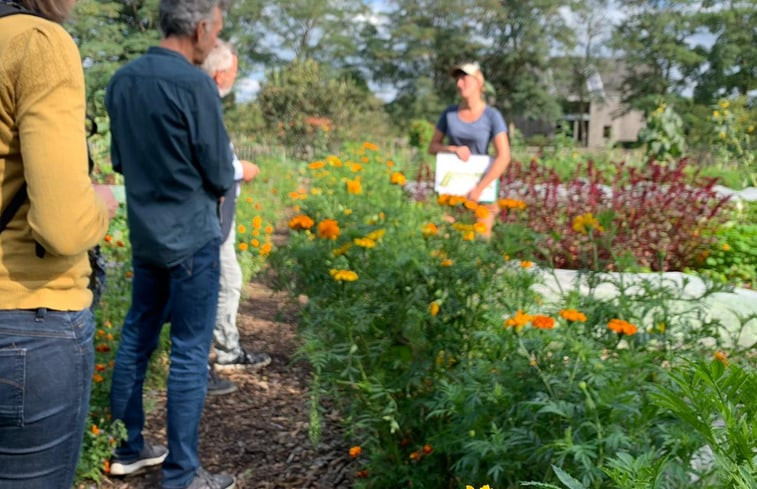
column 185, row 294
column 46, row 361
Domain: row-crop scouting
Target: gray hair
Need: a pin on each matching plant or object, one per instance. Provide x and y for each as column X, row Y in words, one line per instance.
column 220, row 58
column 181, row 17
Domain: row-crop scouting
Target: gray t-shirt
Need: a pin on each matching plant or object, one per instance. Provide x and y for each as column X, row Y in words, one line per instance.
column 477, row 134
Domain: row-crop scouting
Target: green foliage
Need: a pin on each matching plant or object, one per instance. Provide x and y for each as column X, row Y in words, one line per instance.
column 449, row 367
column 663, row 134
column 310, row 111
column 420, row 134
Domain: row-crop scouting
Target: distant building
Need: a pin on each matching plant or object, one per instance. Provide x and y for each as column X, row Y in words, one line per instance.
column 599, row 120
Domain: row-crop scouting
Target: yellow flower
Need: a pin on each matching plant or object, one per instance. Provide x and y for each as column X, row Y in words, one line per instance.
column 724, row 104
column 469, row 235
column 573, row 315
column 328, row 229
column 334, row 160
column 398, row 178
column 750, row 129
column 583, row 223
column 354, row 187
column 480, row 227
column 347, row 212
column 265, row 250
column 242, row 246
column 715, row 114
column 255, row 243
column 268, row 229
column 257, row 221
column 342, row 249
column 365, row 242
column 723, row 135
column 726, row 247
column 482, row 212
column 356, row 167
column 343, row 275
column 446, row 262
column 376, row 235
column 526, row 264
column 433, row 309
column 248, row 200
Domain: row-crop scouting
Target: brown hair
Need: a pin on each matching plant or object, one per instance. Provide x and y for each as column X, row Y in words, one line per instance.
column 55, row 10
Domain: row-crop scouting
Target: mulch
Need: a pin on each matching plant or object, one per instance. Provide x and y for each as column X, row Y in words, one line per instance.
column 260, row 432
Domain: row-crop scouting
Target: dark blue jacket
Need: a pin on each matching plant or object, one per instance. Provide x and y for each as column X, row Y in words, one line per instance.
column 170, row 143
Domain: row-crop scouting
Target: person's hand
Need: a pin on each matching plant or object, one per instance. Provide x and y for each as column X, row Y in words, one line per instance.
column 249, row 170
column 462, row 152
column 475, row 194
column 106, row 195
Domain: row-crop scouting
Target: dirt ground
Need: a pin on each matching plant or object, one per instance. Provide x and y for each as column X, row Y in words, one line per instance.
column 260, row 432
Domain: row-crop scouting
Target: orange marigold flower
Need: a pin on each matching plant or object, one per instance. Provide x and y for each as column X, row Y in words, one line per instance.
column 120, row 243
column 129, row 274
column 469, row 235
column 511, row 204
column 342, row 249
column 242, row 246
column 265, row 250
column 100, row 367
column 102, row 348
column 257, row 221
column 268, row 229
column 97, row 378
column 721, row 357
column 361, row 474
column 482, row 211
column 542, row 322
column 519, row 320
column 356, row 167
column 301, row 222
column 427, row 449
column 429, row 229
column 241, row 229
column 584, row 223
column 622, row 327
column 328, row 229
column 398, row 178
column 370, row 146
column 433, row 308
column 258, row 206
column 446, row 262
column 254, row 243
column 573, row 315
column 355, row 451
column 480, row 227
column 95, row 430
column 470, row 204
column 415, row 455
column 526, row 264
column 354, row 187
column 443, row 199
column 248, row 200
column 316, row 165
column 106, row 466
column 108, row 238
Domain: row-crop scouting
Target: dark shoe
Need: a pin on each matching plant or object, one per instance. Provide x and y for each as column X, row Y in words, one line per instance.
column 245, row 361
column 205, row 480
column 149, row 456
column 218, row 386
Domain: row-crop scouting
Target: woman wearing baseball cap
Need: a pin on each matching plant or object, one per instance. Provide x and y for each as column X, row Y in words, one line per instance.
column 470, row 127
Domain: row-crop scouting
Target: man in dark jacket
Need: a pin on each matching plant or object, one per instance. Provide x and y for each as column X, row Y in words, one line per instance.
column 169, row 142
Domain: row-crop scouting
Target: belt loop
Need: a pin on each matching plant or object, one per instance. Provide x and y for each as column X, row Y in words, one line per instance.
column 41, row 313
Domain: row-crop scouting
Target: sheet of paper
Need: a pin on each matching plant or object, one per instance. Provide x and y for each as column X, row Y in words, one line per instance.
column 457, row 177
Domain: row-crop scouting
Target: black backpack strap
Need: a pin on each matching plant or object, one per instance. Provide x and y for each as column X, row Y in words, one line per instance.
column 10, row 8
column 13, row 207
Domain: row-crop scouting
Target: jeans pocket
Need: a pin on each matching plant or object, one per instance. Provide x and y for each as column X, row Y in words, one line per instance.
column 12, row 376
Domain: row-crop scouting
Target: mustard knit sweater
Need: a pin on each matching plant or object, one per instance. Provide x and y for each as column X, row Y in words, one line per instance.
column 42, row 142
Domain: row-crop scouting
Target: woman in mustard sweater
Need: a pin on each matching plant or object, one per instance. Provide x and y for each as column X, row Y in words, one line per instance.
column 46, row 327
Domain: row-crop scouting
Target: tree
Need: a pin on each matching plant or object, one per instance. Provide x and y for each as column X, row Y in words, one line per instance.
column 731, row 61
column 653, row 40
column 109, row 34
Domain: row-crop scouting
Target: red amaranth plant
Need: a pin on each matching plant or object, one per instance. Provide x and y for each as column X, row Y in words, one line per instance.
column 656, row 215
